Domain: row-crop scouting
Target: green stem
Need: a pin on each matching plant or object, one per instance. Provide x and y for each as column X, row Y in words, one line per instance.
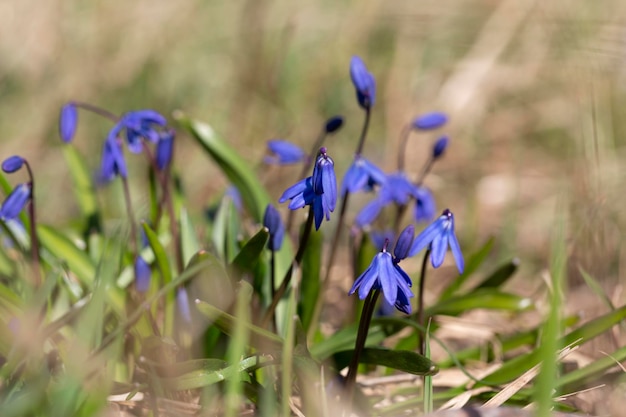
column 420, row 302
column 34, row 241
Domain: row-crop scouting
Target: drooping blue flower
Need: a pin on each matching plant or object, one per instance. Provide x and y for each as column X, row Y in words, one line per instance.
column 362, row 176
column 12, row 164
column 284, row 153
column 439, row 235
column 15, row 202
column 68, row 120
column 318, row 190
column 334, row 124
column 139, row 124
column 142, row 275
column 440, row 146
column 274, row 224
column 424, row 205
column 165, row 149
column 430, row 121
column 385, row 274
column 112, row 162
column 364, row 83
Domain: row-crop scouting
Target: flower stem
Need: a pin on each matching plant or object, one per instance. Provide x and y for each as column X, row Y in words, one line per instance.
column 427, row 167
column 404, row 140
column 287, row 279
column 97, row 110
column 420, row 302
column 34, row 241
column 366, row 126
column 361, row 337
column 131, row 219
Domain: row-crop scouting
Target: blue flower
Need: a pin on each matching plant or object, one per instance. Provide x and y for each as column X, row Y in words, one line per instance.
column 165, row 149
column 364, row 83
column 15, row 202
column 439, row 235
column 68, row 120
column 424, row 205
column 12, row 164
column 385, row 274
column 430, row 121
column 139, row 124
column 112, row 162
column 362, row 176
column 318, row 190
column 274, row 224
column 440, row 146
column 284, row 153
column 142, row 275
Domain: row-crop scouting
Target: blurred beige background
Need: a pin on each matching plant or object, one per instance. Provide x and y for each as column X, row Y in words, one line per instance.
column 536, row 92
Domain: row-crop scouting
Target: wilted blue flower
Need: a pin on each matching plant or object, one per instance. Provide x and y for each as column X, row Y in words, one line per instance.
column 362, row 176
column 440, row 146
column 385, row 274
column 139, row 124
column 274, row 224
column 284, row 153
column 165, row 149
column 15, row 202
column 12, row 164
column 429, row 121
column 334, row 124
column 364, row 83
column 142, row 275
column 439, row 235
column 68, row 120
column 182, row 301
column 112, row 162
column 318, row 190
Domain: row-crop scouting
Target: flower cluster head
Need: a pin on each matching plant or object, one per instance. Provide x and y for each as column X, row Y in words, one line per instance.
column 275, row 226
column 438, row 236
column 399, row 190
column 364, row 83
column 362, row 175
column 318, row 190
column 385, row 274
column 139, row 124
column 283, row 153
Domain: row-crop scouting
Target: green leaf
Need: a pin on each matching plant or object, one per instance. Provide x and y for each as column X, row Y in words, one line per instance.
column 470, row 267
column 62, row 248
column 344, row 339
column 500, row 275
column 159, row 253
column 189, row 242
column 403, row 360
column 84, row 190
column 251, row 252
column 310, row 283
column 485, row 298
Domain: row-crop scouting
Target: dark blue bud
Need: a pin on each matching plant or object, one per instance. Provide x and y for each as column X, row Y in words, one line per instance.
column 403, row 244
column 165, row 149
column 274, row 224
column 68, row 121
column 142, row 275
column 15, row 202
column 12, row 164
column 334, row 124
column 440, row 146
column 430, row 121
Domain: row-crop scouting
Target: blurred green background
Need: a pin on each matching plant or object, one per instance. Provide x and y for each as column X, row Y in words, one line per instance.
column 536, row 93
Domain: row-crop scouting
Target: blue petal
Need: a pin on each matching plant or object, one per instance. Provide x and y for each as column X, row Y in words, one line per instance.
column 368, row 213
column 426, row 236
column 165, row 149
column 318, row 211
column 285, row 152
column 438, row 247
column 134, row 141
column 456, row 251
column 274, row 224
column 370, row 279
column 182, row 301
column 329, row 184
column 424, row 205
column 404, row 242
column 361, row 279
column 354, row 179
column 294, row 190
column 440, row 146
column 387, row 277
column 142, row 275
column 68, row 120
column 402, row 302
column 430, row 121
column 406, row 278
column 12, row 164
column 15, row 202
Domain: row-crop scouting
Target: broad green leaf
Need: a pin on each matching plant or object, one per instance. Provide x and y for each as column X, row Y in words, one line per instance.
column 84, row 189
column 227, row 323
column 62, row 248
column 403, row 360
column 470, row 267
column 189, row 241
column 486, row 298
column 211, row 283
column 344, row 339
column 500, row 275
column 251, row 252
